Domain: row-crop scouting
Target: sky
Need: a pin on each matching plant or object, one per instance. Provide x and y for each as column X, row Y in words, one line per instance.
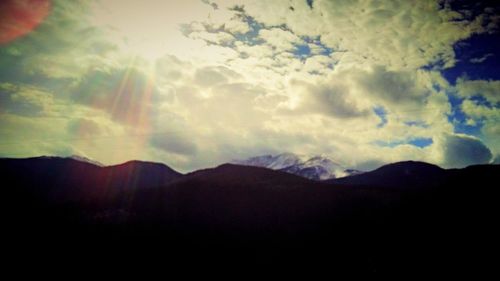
column 196, row 83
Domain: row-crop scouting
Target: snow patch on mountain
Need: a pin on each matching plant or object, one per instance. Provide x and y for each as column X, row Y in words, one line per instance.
column 316, row 167
column 275, row 162
column 85, row 159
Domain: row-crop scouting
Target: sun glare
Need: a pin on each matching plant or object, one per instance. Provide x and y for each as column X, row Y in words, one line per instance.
column 151, row 30
column 18, row 18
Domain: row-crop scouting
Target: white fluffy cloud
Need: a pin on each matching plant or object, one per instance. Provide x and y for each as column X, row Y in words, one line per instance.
column 489, row 89
column 399, row 34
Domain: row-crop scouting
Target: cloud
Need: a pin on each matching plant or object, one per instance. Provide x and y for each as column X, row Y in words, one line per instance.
column 484, row 116
column 210, row 76
column 236, row 26
column 218, row 37
column 478, row 111
column 333, row 99
column 195, row 86
column 83, row 127
column 280, row 39
column 60, row 49
column 393, row 88
column 369, row 165
column 401, row 34
column 491, row 134
column 124, row 93
column 24, row 136
column 24, row 100
column 481, row 59
column 174, row 142
column 489, row 89
column 496, row 160
column 461, row 150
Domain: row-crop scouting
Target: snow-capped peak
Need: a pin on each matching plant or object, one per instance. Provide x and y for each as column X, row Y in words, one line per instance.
column 318, row 167
column 283, row 160
column 330, row 169
column 275, row 162
column 85, row 159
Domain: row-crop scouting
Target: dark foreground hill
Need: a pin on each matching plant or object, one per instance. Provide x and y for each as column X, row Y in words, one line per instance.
column 67, row 179
column 246, row 217
column 401, row 174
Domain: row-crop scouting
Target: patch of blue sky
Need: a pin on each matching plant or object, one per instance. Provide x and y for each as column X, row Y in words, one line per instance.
column 310, row 3
column 420, row 124
column 312, row 47
column 302, row 51
column 419, row 142
column 436, row 87
column 480, row 100
column 459, row 119
column 325, row 51
column 436, row 65
column 478, row 57
column 468, row 129
column 316, row 41
column 382, row 114
column 252, row 36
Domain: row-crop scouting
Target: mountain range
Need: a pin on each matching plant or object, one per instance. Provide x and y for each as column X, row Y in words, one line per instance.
column 403, row 217
column 315, row 167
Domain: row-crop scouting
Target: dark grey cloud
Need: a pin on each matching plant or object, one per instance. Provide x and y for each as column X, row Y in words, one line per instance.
column 461, row 151
column 174, row 142
column 21, row 101
column 332, row 100
column 393, row 87
column 20, row 107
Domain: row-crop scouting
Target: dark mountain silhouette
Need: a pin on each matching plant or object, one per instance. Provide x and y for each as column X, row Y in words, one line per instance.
column 67, row 179
column 400, row 174
column 135, row 174
column 240, row 216
column 255, row 198
column 247, row 175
